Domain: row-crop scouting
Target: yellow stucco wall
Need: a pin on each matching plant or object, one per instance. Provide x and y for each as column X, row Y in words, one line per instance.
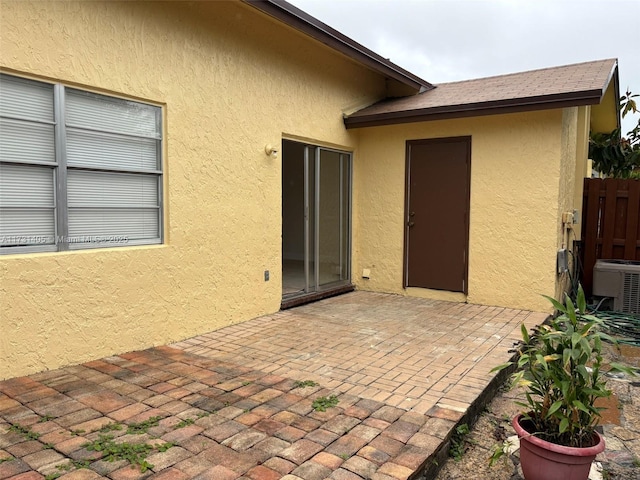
column 581, row 164
column 230, row 80
column 515, row 186
column 605, row 116
column 567, row 187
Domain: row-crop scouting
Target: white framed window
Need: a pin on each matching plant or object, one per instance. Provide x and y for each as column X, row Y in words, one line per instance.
column 77, row 169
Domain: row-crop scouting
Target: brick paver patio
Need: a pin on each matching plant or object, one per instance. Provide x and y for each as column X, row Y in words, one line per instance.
column 230, row 404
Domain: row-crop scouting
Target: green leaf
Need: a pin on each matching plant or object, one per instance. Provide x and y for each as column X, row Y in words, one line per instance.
column 554, row 408
column 607, row 338
column 581, row 301
column 564, row 424
column 571, row 310
column 566, row 357
column 580, row 406
column 564, row 388
column 523, row 360
column 525, row 333
column 501, row 367
column 575, row 339
column 541, row 361
column 582, row 370
column 618, row 367
column 517, row 379
column 557, row 305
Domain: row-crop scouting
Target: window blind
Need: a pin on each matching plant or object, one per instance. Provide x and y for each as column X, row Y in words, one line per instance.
column 27, row 190
column 109, row 176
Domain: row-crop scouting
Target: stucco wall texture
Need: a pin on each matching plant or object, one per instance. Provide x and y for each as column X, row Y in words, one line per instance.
column 231, row 80
column 516, row 162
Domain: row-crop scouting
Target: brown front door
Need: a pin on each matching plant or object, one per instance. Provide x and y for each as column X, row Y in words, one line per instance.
column 437, row 213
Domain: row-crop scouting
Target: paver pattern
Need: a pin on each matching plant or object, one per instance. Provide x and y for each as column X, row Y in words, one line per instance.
column 229, row 404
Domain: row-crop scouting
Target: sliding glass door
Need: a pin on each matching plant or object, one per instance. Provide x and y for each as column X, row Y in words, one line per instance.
column 316, row 184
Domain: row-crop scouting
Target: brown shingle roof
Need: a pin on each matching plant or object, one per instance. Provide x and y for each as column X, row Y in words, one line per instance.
column 557, row 87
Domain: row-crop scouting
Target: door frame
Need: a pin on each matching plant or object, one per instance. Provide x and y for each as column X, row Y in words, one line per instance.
column 407, row 191
column 343, row 285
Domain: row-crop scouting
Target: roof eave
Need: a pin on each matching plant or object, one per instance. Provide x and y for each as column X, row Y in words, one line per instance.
column 616, row 90
column 305, row 23
column 590, row 97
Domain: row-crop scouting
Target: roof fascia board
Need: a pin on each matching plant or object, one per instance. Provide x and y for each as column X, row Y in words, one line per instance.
column 305, row 23
column 616, row 86
column 546, row 102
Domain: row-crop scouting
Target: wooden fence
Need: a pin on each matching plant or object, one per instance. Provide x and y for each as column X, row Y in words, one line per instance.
column 610, row 223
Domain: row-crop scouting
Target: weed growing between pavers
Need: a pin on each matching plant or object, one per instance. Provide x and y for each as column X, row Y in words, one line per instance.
column 185, row 423
column 143, row 427
column 459, row 442
column 134, row 453
column 73, row 464
column 46, row 418
column 304, row 383
column 24, row 431
column 110, row 427
column 321, row 404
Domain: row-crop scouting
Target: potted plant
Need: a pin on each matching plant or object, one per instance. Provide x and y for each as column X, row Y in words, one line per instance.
column 560, row 368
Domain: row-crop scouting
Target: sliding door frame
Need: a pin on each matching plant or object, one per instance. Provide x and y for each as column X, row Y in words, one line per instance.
column 312, row 287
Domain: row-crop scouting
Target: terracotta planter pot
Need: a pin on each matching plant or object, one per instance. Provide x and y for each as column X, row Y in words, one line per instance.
column 542, row 460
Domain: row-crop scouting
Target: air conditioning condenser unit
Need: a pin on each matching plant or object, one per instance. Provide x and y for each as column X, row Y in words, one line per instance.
column 620, row 280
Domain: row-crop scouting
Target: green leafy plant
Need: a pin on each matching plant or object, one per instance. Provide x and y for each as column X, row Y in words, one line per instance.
column 74, row 464
column 186, row 422
column 134, row 453
column 6, row 459
column 110, row 427
column 163, row 447
column 321, row 404
column 560, row 367
column 458, row 444
column 143, row 427
column 615, row 155
column 304, row 383
column 24, row 431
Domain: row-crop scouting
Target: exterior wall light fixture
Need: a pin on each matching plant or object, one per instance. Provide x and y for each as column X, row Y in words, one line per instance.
column 271, row 151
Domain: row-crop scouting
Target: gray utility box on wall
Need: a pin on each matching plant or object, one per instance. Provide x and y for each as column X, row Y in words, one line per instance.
column 620, row 280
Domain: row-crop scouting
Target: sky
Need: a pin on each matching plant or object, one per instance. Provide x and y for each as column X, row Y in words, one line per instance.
column 450, row 40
